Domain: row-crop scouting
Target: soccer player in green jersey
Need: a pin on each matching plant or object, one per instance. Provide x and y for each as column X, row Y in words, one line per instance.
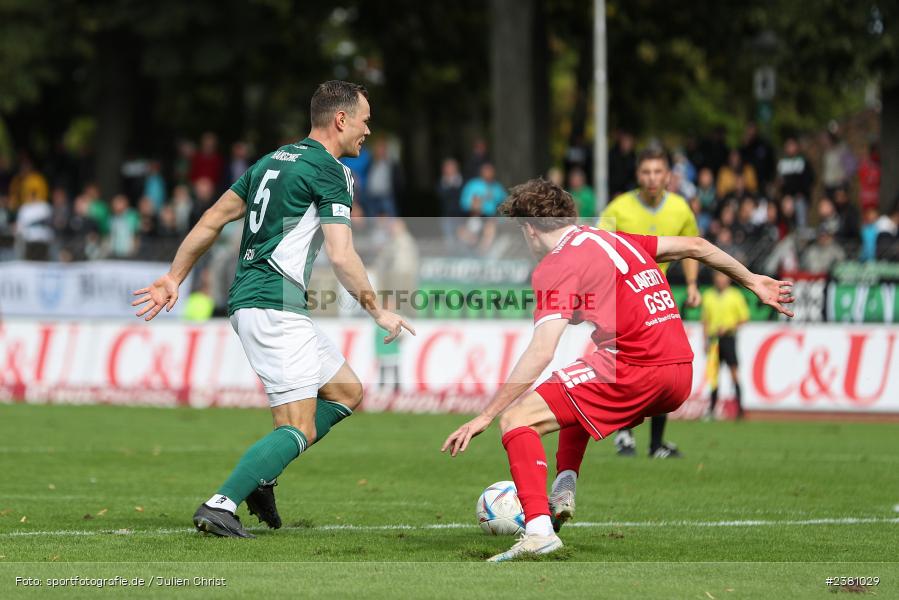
column 292, row 201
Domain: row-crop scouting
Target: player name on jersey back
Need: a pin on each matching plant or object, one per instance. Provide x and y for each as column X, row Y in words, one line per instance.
column 286, row 156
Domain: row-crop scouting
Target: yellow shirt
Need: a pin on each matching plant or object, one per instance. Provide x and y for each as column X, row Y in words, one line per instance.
column 199, row 307
column 23, row 190
column 629, row 214
column 724, row 311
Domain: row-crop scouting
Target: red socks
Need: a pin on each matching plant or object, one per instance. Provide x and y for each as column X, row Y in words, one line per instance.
column 572, row 446
column 527, row 461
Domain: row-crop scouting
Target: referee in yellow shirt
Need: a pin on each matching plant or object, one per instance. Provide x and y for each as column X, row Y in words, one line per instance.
column 652, row 210
column 724, row 309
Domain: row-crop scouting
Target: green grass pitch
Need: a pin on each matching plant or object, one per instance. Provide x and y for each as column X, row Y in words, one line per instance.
column 755, row 510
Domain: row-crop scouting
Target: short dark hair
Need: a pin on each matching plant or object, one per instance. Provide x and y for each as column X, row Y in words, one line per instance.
column 541, row 203
column 652, row 153
column 332, row 96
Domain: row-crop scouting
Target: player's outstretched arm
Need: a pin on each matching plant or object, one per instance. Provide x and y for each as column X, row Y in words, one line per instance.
column 163, row 293
column 533, row 361
column 351, row 273
column 772, row 292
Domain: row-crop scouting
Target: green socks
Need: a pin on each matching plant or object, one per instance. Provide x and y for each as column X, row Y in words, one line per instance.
column 328, row 414
column 268, row 457
column 264, row 461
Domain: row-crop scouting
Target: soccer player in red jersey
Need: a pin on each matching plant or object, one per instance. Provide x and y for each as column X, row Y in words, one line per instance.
column 642, row 365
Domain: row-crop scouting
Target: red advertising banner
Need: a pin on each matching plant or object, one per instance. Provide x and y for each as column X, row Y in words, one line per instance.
column 450, row 366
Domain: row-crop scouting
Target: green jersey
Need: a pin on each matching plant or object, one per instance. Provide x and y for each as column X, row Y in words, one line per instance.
column 289, row 194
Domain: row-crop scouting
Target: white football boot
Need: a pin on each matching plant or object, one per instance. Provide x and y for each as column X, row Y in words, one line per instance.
column 561, row 499
column 529, row 544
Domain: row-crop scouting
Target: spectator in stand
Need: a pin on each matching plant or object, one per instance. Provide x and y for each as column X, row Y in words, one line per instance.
column 737, row 193
column 147, row 217
column 705, row 190
column 683, row 167
column 724, row 222
column 239, row 163
column 847, row 213
column 827, row 214
column 869, row 178
column 724, row 239
column 28, row 185
column 167, row 226
column 796, row 178
column 678, row 184
column 99, row 209
column 713, row 150
column 869, row 235
column 476, row 232
column 579, row 154
column 770, row 229
column 385, row 183
column 756, row 151
column 839, row 164
column 787, row 217
column 784, row 258
column 735, row 171
column 622, row 164
column 207, row 163
column 487, row 188
column 478, row 157
column 62, row 212
column 449, row 190
column 555, row 175
column 123, row 227
column 582, row 193
column 183, row 207
column 154, row 185
column 745, row 231
column 204, row 196
column 703, row 219
column 186, row 150
column 359, row 166
column 34, row 233
column 822, row 254
column 83, row 239
column 888, row 235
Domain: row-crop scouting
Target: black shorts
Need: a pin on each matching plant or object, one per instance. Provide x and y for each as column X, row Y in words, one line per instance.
column 727, row 350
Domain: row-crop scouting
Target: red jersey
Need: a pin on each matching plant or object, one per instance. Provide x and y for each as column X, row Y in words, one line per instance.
column 612, row 281
column 869, row 183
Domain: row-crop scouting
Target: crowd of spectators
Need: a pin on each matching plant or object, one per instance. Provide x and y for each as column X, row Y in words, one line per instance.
column 769, row 208
column 55, row 216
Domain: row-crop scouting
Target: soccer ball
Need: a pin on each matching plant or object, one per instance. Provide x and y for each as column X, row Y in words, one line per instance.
column 499, row 511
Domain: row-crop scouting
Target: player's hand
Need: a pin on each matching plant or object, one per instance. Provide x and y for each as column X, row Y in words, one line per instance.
column 773, row 292
column 394, row 324
column 694, row 298
column 459, row 439
column 163, row 293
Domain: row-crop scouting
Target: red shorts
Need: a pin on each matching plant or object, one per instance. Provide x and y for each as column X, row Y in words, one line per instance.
column 605, row 397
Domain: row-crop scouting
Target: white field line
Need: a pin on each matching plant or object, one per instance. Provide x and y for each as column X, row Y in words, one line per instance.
column 581, row 524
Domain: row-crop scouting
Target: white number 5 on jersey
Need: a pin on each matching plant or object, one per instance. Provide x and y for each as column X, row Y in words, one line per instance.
column 262, row 195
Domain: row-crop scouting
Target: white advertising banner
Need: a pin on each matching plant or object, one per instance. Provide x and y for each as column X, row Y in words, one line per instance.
column 820, row 368
column 83, row 290
column 450, row 366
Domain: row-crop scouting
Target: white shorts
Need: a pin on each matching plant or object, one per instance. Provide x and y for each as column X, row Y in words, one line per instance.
column 289, row 353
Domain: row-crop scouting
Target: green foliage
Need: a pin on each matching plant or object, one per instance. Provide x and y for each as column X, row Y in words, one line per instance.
column 248, row 67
